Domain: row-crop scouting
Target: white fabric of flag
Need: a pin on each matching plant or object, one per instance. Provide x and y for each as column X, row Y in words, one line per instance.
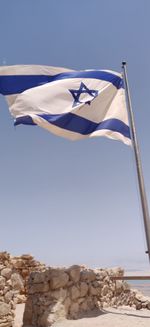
column 68, row 103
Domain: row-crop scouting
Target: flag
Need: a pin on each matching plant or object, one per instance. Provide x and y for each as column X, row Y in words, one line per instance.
column 68, row 103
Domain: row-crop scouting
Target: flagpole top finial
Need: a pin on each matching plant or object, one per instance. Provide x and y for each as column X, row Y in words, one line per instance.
column 124, row 63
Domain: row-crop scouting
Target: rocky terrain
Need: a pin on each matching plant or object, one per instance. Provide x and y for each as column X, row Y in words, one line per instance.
column 14, row 274
column 71, row 292
column 53, row 293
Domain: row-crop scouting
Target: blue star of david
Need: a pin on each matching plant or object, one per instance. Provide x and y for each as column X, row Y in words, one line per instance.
column 82, row 89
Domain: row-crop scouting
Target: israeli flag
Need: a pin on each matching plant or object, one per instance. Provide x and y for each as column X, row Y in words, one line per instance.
column 68, row 103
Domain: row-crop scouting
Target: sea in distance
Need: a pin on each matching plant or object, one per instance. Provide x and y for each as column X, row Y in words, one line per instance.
column 141, row 285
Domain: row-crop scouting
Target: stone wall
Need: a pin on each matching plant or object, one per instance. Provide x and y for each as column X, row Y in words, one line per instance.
column 7, row 294
column 24, row 265
column 67, row 292
column 53, row 293
column 14, row 274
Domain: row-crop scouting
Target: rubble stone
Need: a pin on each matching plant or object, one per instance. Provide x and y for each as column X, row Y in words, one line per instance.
column 83, row 289
column 75, row 293
column 74, row 272
column 6, row 272
column 17, row 282
column 4, row 309
column 91, row 289
column 14, row 275
column 59, row 281
column 57, row 293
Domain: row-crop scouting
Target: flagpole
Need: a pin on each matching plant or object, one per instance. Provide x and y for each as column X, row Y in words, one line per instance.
column 142, row 191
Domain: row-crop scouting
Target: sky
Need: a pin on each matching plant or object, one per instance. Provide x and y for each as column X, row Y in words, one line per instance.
column 75, row 202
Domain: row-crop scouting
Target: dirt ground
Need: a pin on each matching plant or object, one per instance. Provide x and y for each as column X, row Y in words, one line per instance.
column 110, row 317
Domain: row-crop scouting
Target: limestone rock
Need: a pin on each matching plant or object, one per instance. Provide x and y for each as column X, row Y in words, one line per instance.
column 27, row 257
column 47, row 319
column 81, row 300
column 39, row 288
column 6, row 324
column 106, row 280
column 90, row 302
column 74, row 309
column 101, row 274
column 75, row 293
column 88, row 275
column 59, row 281
column 83, row 289
column 4, row 309
column 138, row 305
column 17, row 263
column 67, row 304
column 17, row 282
column 4, row 256
column 21, row 298
column 117, row 271
column 93, row 290
column 58, row 309
column 59, row 294
column 99, row 305
column 119, row 286
column 84, row 306
column 140, row 297
column 6, row 289
column 105, row 290
column 74, row 272
column 97, row 283
column 144, row 305
column 6, row 272
column 55, row 313
column 8, row 296
column 25, row 273
column 2, row 282
column 37, row 277
column 105, row 305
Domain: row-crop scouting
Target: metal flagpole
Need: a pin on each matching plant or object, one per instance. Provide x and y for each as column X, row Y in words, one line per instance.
column 144, row 204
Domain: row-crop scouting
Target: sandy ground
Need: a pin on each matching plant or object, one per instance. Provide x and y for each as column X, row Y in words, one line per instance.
column 110, row 317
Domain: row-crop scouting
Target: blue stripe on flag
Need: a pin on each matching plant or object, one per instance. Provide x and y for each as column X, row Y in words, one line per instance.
column 77, row 124
column 14, row 84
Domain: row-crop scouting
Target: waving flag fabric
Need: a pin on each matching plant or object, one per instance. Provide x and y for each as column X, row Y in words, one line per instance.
column 68, row 103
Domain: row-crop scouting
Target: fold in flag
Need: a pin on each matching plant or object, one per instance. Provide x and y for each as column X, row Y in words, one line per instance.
column 68, row 103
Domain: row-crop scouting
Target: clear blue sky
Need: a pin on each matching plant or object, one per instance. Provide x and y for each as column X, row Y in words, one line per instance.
column 75, row 202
